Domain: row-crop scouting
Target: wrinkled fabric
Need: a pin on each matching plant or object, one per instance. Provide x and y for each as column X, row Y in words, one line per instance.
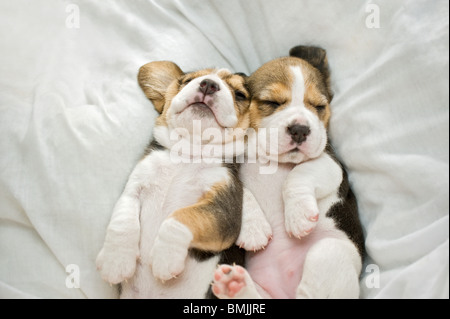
column 74, row 123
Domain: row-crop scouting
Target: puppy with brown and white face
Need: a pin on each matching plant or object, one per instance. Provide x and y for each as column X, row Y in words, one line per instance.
column 181, row 208
column 292, row 98
column 317, row 241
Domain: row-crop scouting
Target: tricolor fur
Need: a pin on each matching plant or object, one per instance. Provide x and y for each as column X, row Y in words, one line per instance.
column 179, row 215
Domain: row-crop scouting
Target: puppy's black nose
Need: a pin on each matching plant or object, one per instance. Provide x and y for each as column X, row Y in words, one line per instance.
column 209, row 87
column 299, row 133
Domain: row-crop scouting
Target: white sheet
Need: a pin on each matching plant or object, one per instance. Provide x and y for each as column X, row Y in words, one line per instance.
column 73, row 123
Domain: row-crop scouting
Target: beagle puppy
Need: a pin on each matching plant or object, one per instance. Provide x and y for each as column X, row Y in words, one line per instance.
column 181, row 210
column 317, row 242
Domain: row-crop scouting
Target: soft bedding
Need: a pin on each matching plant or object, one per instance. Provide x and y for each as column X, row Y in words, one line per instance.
column 73, row 123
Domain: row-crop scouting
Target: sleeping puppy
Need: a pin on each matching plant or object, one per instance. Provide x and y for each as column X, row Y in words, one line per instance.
column 317, row 244
column 180, row 212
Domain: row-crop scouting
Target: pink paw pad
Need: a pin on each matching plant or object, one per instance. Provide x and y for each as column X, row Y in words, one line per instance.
column 228, row 281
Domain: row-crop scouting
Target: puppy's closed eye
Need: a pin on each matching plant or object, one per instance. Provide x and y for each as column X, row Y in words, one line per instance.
column 240, row 96
column 320, row 108
column 185, row 80
column 273, row 104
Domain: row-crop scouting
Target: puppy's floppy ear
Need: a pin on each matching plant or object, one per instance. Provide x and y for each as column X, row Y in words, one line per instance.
column 317, row 57
column 242, row 74
column 155, row 78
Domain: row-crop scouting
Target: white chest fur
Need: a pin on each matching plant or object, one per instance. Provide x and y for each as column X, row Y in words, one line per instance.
column 169, row 187
column 267, row 189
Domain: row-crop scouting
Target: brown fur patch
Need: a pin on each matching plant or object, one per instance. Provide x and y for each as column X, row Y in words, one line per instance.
column 215, row 220
column 237, row 83
column 317, row 57
column 278, row 90
column 315, row 100
column 155, row 77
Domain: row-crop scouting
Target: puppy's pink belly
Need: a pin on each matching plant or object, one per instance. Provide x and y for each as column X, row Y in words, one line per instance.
column 278, row 269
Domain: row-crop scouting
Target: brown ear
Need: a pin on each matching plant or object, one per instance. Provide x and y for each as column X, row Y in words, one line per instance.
column 317, row 57
column 154, row 79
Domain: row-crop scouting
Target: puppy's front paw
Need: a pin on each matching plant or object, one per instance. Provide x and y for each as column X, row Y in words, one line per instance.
column 254, row 235
column 255, row 230
column 170, row 249
column 117, row 264
column 301, row 216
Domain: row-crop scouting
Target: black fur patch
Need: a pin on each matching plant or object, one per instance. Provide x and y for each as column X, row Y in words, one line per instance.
column 317, row 57
column 345, row 213
column 231, row 204
column 153, row 146
column 241, row 74
column 201, row 255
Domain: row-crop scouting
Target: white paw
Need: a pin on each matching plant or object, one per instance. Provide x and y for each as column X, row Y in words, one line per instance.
column 167, row 260
column 229, row 281
column 169, row 252
column 254, row 235
column 255, row 230
column 117, row 264
column 301, row 216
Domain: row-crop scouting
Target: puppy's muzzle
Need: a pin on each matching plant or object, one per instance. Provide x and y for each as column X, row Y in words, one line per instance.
column 299, row 133
column 209, row 87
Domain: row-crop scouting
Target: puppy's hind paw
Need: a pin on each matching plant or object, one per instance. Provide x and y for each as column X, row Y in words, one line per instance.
column 233, row 282
column 228, row 281
column 168, row 255
column 254, row 236
column 116, row 265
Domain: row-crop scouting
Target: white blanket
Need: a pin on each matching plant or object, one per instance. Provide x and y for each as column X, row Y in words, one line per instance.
column 73, row 123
